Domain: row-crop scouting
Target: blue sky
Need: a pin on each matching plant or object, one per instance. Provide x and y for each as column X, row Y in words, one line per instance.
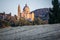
column 8, row 6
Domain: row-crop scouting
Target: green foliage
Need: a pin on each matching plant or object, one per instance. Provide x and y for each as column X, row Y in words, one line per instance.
column 38, row 21
column 4, row 23
column 23, row 22
column 55, row 13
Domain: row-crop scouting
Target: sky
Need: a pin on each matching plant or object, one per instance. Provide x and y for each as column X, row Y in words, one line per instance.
column 8, row 6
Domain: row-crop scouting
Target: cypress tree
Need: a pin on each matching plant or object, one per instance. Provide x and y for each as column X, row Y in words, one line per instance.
column 54, row 15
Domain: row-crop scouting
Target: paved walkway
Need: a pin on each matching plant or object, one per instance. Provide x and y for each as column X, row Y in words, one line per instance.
column 40, row 32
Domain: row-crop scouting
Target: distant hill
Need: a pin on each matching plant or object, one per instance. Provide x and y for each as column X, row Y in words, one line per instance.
column 42, row 13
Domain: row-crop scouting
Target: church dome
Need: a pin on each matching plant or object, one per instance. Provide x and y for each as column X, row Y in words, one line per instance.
column 25, row 7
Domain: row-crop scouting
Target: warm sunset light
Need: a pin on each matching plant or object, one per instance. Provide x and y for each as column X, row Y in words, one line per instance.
column 29, row 19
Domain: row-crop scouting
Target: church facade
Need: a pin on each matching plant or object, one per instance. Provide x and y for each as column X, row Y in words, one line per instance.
column 26, row 14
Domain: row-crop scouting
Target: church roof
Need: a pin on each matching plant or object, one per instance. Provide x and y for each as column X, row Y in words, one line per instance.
column 25, row 6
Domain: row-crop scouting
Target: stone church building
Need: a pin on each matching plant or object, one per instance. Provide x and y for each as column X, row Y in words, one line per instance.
column 26, row 14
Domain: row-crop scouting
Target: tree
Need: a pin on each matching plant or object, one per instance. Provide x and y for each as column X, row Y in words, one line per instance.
column 38, row 21
column 23, row 22
column 54, row 15
column 4, row 24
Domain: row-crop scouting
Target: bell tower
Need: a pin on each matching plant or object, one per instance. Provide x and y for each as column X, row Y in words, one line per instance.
column 19, row 12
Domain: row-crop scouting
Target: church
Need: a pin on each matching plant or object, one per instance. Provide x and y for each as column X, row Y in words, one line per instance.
column 26, row 14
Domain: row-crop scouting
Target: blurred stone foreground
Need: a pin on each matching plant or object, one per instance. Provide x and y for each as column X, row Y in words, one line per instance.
column 37, row 32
